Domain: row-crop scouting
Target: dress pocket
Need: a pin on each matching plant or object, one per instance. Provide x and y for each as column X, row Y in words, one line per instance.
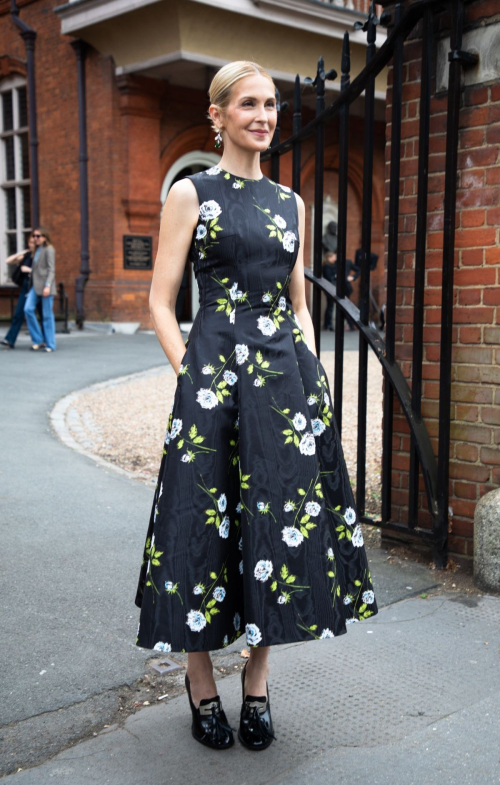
column 184, row 356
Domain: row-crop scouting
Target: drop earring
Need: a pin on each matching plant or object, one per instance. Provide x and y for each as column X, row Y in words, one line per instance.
column 218, row 139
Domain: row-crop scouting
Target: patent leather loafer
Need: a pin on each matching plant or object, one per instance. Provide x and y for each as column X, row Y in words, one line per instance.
column 256, row 730
column 210, row 726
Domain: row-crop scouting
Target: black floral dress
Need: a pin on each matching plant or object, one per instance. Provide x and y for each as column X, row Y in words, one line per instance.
column 253, row 527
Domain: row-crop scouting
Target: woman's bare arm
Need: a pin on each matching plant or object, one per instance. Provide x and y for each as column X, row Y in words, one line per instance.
column 15, row 257
column 179, row 218
column 297, row 283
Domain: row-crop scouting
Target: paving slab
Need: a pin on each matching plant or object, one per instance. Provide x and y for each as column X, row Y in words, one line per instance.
column 408, row 698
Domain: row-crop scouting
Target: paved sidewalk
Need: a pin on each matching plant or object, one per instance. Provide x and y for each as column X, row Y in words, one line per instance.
column 411, row 698
column 352, row 710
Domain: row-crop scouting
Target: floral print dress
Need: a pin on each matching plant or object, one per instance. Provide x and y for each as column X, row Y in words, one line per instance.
column 253, row 526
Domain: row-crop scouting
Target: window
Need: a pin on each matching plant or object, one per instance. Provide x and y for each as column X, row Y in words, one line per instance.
column 15, row 193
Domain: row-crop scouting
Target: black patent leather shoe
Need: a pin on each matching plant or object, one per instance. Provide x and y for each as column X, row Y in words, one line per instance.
column 256, row 730
column 210, row 726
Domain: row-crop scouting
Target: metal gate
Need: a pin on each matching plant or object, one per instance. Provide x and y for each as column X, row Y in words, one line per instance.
column 435, row 471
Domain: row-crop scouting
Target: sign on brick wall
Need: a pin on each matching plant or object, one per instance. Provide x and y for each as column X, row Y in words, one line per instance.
column 137, row 252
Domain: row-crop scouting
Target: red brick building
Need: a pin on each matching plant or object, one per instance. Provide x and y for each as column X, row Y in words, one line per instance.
column 148, row 67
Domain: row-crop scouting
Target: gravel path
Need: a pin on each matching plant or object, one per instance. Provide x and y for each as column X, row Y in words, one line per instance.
column 124, row 421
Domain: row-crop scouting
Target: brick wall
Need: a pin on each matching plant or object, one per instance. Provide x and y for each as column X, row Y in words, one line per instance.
column 475, row 408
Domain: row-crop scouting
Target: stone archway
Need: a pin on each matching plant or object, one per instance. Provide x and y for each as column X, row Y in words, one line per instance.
column 196, row 159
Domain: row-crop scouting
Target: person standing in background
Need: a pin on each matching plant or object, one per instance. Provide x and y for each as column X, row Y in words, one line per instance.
column 330, row 273
column 43, row 290
column 329, row 242
column 24, row 283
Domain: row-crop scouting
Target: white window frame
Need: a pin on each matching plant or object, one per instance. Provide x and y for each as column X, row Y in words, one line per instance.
column 11, row 84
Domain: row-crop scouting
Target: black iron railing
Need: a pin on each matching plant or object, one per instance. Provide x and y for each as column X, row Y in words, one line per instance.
column 435, row 472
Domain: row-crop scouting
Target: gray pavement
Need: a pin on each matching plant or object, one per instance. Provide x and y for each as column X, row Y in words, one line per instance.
column 410, row 698
column 72, row 534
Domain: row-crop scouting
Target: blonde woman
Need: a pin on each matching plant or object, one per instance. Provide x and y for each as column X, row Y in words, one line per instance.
column 253, row 528
column 43, row 289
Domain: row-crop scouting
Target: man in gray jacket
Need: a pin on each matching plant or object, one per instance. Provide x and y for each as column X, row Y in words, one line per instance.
column 43, row 290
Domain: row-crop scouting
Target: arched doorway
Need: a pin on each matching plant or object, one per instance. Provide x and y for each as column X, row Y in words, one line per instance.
column 190, row 163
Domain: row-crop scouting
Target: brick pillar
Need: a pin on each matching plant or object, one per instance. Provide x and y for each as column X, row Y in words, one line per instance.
column 475, row 409
column 140, row 111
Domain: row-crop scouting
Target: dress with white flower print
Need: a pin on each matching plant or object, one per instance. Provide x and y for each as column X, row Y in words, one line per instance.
column 253, row 528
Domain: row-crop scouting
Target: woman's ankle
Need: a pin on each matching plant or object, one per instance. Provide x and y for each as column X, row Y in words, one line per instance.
column 201, row 678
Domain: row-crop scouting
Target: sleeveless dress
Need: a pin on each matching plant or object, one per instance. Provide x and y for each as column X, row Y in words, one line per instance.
column 253, row 526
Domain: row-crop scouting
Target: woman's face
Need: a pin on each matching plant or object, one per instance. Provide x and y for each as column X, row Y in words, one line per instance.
column 31, row 243
column 250, row 118
column 39, row 238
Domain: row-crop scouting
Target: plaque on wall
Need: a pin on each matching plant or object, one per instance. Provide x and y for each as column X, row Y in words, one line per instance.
column 137, row 252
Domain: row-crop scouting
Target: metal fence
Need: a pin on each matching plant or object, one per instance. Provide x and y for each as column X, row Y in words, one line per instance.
column 434, row 470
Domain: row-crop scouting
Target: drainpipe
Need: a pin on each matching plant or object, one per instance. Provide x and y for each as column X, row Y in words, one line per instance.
column 29, row 36
column 80, row 48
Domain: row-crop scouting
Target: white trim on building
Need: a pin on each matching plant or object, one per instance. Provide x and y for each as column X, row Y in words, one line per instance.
column 321, row 18
column 15, row 196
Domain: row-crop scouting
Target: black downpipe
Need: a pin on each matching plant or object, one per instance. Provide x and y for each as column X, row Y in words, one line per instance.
column 80, row 48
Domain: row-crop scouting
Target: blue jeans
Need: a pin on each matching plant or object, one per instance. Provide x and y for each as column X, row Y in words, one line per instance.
column 18, row 318
column 49, row 323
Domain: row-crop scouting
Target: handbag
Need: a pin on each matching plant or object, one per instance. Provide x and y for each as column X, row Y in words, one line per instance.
column 17, row 276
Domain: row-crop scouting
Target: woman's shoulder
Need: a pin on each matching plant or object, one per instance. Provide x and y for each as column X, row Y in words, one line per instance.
column 286, row 189
column 182, row 193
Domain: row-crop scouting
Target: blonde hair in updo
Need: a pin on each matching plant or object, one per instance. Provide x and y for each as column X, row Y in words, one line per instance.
column 220, row 87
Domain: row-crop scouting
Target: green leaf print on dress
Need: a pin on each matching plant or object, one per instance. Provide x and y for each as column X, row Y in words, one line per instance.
column 272, row 322
column 183, row 370
column 264, row 570
column 215, row 513
column 262, row 369
column 209, row 397
column 326, row 633
column 153, row 557
column 244, row 486
column 196, row 441
column 172, row 588
column 282, row 191
column 306, row 508
column 206, row 231
column 293, row 434
column 264, row 508
column 233, row 297
column 212, row 595
column 277, row 228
